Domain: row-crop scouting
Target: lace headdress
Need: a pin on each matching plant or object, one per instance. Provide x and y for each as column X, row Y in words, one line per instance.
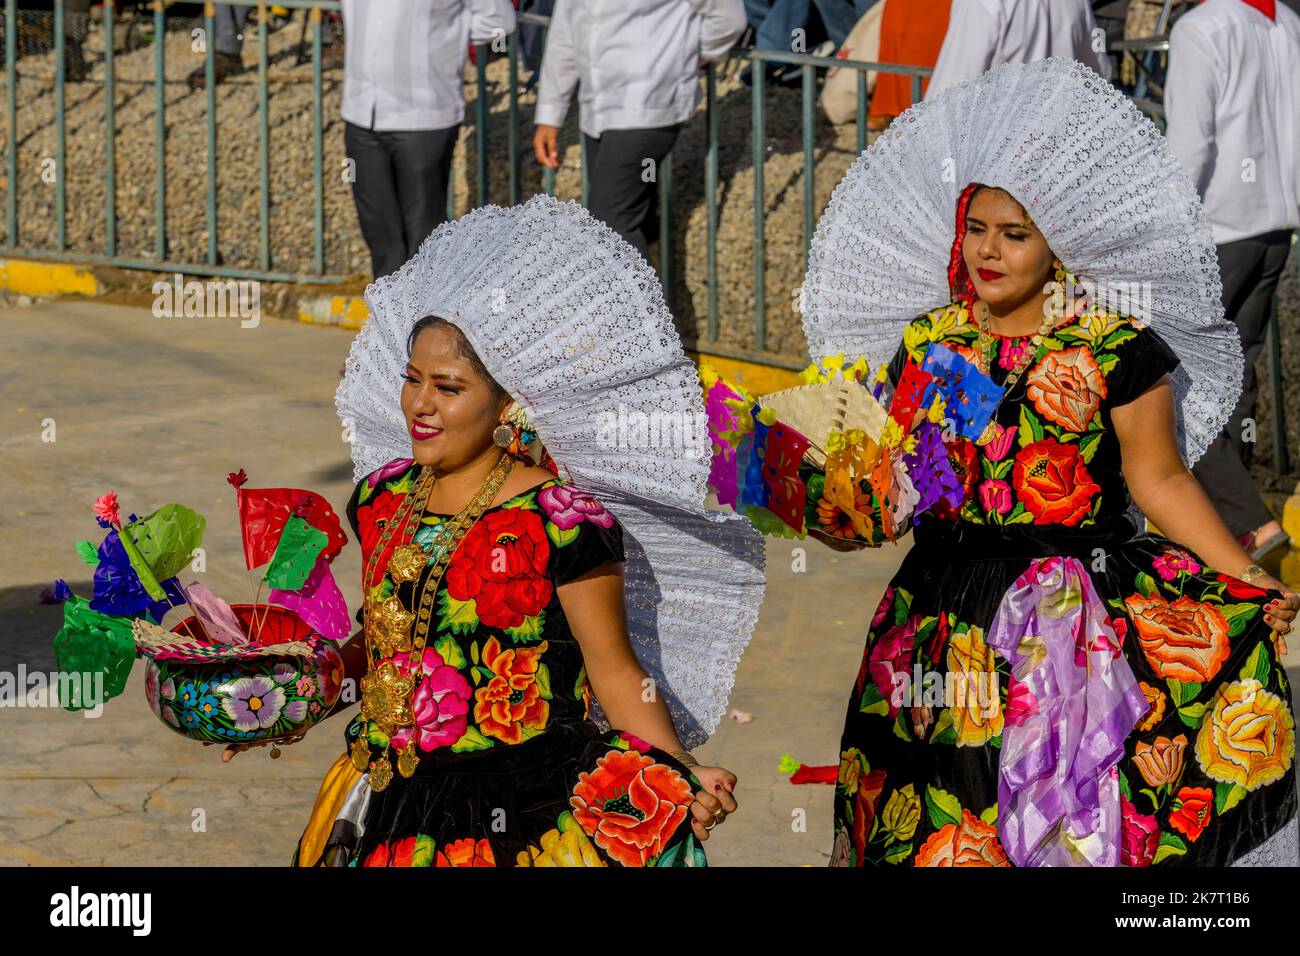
column 571, row 320
column 1097, row 179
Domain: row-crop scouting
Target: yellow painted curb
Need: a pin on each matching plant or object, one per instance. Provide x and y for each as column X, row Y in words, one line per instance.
column 1291, row 517
column 759, row 379
column 344, row 311
column 36, row 278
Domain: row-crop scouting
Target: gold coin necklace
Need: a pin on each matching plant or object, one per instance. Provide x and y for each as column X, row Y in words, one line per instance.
column 386, row 692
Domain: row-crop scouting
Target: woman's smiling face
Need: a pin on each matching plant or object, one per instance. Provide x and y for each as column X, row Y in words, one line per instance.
column 1009, row 262
column 450, row 409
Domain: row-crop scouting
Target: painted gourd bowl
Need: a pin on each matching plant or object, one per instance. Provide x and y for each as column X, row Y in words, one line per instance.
column 277, row 685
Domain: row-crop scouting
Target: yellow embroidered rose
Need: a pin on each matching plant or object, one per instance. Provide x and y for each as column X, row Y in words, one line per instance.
column 1247, row 738
column 849, row 771
column 976, row 705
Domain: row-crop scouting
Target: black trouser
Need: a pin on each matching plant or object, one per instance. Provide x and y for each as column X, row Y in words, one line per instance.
column 400, row 189
column 1250, row 269
column 617, row 192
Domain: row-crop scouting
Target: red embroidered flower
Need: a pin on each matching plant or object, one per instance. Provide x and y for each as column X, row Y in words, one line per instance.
column 380, row 508
column 501, row 566
column 1140, row 836
column 1051, row 480
column 1193, row 813
column 630, row 805
column 1237, row 588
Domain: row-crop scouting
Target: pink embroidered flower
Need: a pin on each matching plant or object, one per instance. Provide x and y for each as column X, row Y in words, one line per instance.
column 995, row 496
column 883, row 608
column 567, row 507
column 1012, row 351
column 394, row 467
column 1021, row 703
column 1169, row 564
column 889, row 655
column 305, row 686
column 997, row 449
column 1140, row 836
column 439, row 704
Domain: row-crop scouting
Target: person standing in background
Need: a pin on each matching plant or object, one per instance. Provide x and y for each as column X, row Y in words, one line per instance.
column 1232, row 100
column 228, row 24
column 911, row 32
column 403, row 103
column 636, row 65
column 983, row 34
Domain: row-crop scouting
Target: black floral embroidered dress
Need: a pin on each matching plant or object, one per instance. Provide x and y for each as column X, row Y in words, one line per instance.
column 512, row 772
column 1207, row 770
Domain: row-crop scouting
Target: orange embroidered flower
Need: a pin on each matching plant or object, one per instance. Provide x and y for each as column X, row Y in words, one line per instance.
column 510, row 707
column 1050, row 478
column 970, row 843
column 1193, row 811
column 1162, row 762
column 630, row 805
column 1067, row 387
column 409, row 851
column 1156, row 712
column 466, row 852
column 1184, row 639
column 1247, row 737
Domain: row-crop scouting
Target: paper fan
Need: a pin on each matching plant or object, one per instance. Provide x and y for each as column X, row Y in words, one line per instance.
column 571, row 320
column 1098, row 180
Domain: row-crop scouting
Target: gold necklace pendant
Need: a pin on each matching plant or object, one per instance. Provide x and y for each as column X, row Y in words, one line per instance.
column 381, row 774
column 386, row 697
column 391, row 628
column 406, row 563
column 360, row 753
column 406, row 758
column 989, row 433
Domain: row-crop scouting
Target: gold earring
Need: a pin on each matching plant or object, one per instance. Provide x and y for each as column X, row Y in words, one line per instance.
column 503, row 435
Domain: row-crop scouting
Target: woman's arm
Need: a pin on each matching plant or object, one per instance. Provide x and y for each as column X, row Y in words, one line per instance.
column 594, row 607
column 354, row 668
column 1162, row 486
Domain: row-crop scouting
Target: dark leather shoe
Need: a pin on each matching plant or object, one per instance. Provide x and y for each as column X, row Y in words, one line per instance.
column 224, row 65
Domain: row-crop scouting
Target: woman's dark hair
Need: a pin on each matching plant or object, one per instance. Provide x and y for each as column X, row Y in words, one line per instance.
column 463, row 347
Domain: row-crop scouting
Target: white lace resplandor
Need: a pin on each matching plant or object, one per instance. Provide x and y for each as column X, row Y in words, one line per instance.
column 1098, row 180
column 571, row 320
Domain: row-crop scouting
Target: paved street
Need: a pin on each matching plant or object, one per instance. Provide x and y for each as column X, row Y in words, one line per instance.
column 160, row 410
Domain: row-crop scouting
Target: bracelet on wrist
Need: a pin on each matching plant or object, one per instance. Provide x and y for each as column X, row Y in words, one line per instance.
column 1251, row 572
column 684, row 757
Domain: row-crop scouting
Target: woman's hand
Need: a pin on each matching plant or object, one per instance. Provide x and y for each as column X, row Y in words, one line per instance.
column 712, row 804
column 1279, row 614
column 231, row 749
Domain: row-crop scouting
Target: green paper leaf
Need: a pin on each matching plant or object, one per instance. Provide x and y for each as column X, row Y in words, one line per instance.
column 91, row 643
column 166, row 540
column 88, row 553
column 295, row 555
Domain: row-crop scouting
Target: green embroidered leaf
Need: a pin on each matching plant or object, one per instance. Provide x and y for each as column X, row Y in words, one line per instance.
column 1122, row 334
column 366, row 491
column 473, row 651
column 944, row 732
column 580, row 682
column 471, row 739
column 1145, row 584
column 990, row 816
column 543, row 680
column 1182, row 692
column 1170, row 845
column 996, row 741
column 1256, row 666
column 900, row 728
column 1029, row 425
column 1107, row 363
column 1227, row 796
column 943, row 807
column 450, row 651
column 1193, row 714
column 669, row 856
column 530, row 630
column 561, row 538
column 1020, row 516
column 1124, row 787
column 526, row 502
column 484, row 672
column 461, row 617
column 898, row 854
column 1238, row 616
column 926, row 628
column 873, row 702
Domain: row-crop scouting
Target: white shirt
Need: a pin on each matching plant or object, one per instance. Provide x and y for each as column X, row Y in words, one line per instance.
column 636, row 62
column 983, row 34
column 404, row 60
column 1232, row 101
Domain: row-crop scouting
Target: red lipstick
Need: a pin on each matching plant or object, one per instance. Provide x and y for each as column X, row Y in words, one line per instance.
column 988, row 275
column 423, row 432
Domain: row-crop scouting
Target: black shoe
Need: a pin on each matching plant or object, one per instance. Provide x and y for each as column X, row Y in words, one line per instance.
column 224, row 65
column 75, row 67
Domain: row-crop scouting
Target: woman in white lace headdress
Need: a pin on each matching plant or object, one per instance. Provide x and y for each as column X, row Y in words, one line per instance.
column 530, row 450
column 1043, row 683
